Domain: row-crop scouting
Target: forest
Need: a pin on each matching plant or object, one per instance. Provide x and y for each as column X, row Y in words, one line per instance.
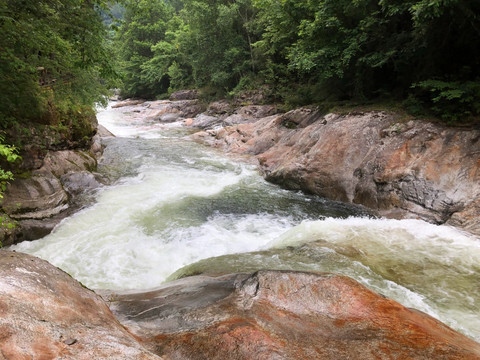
column 59, row 58
column 423, row 54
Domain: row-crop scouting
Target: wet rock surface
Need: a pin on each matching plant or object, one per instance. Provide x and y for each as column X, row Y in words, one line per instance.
column 283, row 315
column 184, row 95
column 397, row 167
column 45, row 314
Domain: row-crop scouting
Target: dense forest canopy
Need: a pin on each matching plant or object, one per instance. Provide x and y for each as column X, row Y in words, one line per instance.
column 53, row 59
column 56, row 56
column 426, row 53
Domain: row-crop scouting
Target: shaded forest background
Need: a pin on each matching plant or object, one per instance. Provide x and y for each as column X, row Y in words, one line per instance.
column 423, row 54
column 59, row 57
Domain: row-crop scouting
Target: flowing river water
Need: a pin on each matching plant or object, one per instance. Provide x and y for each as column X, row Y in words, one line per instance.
column 177, row 208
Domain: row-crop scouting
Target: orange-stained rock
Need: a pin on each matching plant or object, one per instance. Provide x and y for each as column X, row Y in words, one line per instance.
column 283, row 315
column 46, row 315
column 399, row 168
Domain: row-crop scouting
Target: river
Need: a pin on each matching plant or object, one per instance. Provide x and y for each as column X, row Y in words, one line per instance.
column 177, row 208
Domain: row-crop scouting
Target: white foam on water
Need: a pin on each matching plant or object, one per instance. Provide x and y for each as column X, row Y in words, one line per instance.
column 109, row 245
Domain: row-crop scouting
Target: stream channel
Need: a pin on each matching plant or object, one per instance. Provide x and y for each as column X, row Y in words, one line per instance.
column 177, row 208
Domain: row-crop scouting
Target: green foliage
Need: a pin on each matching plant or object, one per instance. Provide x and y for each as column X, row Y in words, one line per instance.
column 53, row 56
column 309, row 51
column 450, row 100
column 145, row 25
column 165, row 45
column 9, row 154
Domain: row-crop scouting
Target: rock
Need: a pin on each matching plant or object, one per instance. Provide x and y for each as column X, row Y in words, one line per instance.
column 220, row 107
column 97, row 147
column 45, row 314
column 169, row 117
column 251, row 113
column 40, row 200
column 62, row 162
column 189, row 108
column 468, row 218
column 168, row 111
column 76, row 183
column 102, row 131
column 204, row 121
column 33, row 229
column 128, row 102
column 36, row 197
column 283, row 315
column 400, row 169
column 184, row 95
column 251, row 97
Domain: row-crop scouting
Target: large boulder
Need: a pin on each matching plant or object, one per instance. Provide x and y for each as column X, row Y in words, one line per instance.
column 127, row 102
column 250, row 113
column 283, row 315
column 184, row 95
column 41, row 195
column 39, row 200
column 161, row 110
column 45, row 314
column 399, row 168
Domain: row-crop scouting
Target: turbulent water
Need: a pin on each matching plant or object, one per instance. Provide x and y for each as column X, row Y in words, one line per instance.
column 177, row 208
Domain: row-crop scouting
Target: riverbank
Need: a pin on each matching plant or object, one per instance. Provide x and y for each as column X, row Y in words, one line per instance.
column 398, row 167
column 50, row 185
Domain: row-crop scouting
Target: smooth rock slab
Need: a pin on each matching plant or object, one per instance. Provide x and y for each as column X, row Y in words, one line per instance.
column 45, row 314
column 283, row 315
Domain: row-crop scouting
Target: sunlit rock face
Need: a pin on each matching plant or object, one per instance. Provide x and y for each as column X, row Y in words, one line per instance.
column 400, row 168
column 283, row 315
column 45, row 314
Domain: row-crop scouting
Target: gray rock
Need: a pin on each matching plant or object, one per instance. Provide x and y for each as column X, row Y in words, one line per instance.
column 399, row 169
column 40, row 201
column 221, row 107
column 184, row 95
column 62, row 162
column 203, row 121
column 169, row 117
column 39, row 196
column 76, row 183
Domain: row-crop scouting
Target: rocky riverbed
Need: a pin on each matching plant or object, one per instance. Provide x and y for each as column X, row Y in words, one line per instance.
column 393, row 165
column 396, row 167
column 45, row 314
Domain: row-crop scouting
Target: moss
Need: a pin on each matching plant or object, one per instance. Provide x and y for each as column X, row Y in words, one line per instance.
column 289, row 124
column 23, row 175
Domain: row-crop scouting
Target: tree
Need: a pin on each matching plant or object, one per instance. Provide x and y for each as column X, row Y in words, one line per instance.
column 368, row 48
column 9, row 154
column 53, row 59
column 199, row 43
column 145, row 25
